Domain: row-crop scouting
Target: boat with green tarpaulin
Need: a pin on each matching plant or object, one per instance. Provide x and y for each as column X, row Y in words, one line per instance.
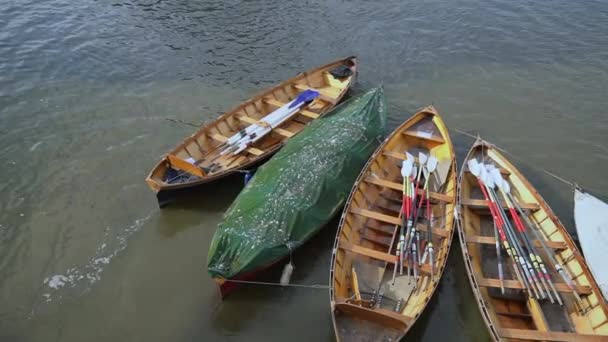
column 297, row 192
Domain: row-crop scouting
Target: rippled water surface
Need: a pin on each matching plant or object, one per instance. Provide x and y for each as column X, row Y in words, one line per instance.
column 86, row 88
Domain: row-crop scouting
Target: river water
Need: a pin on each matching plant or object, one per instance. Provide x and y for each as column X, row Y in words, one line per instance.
column 86, row 88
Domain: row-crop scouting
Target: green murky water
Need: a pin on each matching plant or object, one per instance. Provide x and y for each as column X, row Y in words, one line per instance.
column 85, row 90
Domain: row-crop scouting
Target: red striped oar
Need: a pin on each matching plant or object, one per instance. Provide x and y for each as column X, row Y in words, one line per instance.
column 537, row 262
column 406, row 170
column 475, row 169
column 526, row 265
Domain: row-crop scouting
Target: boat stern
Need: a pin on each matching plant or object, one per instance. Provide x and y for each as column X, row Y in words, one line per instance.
column 154, row 178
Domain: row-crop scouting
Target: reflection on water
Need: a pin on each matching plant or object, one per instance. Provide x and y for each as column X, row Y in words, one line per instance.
column 85, row 90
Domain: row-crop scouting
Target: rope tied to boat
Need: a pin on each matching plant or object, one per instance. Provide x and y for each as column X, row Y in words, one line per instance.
column 310, row 286
column 561, row 179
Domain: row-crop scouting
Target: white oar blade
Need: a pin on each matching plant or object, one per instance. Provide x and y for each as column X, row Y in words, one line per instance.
column 474, row 167
column 483, row 174
column 443, row 168
column 422, row 158
column 489, row 179
column 497, row 177
column 406, row 168
column 505, row 186
column 431, row 164
column 414, row 171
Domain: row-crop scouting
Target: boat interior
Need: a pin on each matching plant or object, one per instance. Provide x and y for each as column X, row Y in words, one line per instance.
column 515, row 315
column 367, row 304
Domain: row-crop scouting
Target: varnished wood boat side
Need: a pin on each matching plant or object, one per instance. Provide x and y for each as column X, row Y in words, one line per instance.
column 508, row 318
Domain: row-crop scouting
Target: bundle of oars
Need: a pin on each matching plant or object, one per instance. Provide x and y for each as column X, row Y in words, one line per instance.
column 415, row 173
column 514, row 234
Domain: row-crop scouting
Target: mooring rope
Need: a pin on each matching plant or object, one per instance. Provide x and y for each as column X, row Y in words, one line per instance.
column 561, row 179
column 310, row 286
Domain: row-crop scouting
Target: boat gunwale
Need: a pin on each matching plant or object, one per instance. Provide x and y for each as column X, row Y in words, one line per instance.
column 411, row 121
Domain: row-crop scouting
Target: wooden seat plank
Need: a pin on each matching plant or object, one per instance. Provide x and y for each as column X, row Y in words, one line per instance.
column 178, row 163
column 219, row 137
column 394, row 220
column 379, row 316
column 279, row 104
column 396, row 186
column 482, row 203
column 535, row 335
column 377, row 241
column 374, row 254
column 222, row 139
column 417, row 135
column 490, row 240
column 514, row 284
column 322, row 95
column 281, row 131
column 368, row 252
column 397, row 155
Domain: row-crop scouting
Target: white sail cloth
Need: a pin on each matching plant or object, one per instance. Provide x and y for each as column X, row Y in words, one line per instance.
column 591, row 218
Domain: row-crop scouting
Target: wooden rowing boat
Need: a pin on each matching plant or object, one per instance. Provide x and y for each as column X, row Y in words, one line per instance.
column 516, row 315
column 363, row 296
column 197, row 160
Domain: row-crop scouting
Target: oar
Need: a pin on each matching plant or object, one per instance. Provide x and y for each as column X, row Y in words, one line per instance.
column 526, row 266
column 422, row 158
column 532, row 264
column 406, row 171
column 475, row 168
column 548, row 252
column 429, row 233
column 429, row 168
column 398, row 250
column 443, row 168
column 503, row 186
column 411, row 235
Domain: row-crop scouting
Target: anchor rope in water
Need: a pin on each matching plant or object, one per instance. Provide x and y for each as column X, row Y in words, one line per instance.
column 311, row 286
column 561, row 179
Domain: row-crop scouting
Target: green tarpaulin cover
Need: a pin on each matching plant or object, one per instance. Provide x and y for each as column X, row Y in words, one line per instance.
column 300, row 189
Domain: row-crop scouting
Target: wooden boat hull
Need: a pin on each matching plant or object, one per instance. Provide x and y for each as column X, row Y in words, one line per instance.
column 228, row 286
column 203, row 147
column 364, row 247
column 515, row 315
column 168, row 195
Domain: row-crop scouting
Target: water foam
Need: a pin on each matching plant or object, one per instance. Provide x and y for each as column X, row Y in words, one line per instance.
column 88, row 274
